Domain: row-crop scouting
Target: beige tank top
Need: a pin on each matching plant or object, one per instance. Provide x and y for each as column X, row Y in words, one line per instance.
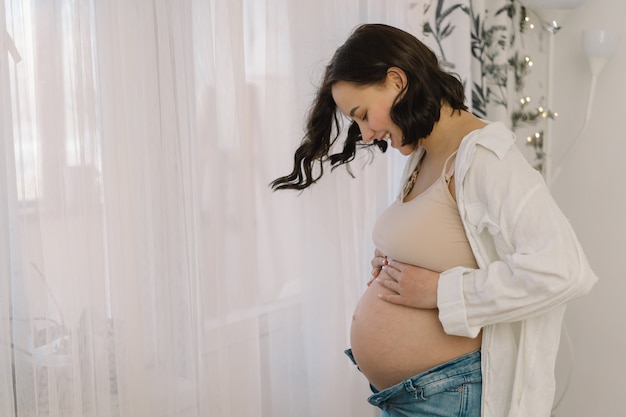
column 426, row 231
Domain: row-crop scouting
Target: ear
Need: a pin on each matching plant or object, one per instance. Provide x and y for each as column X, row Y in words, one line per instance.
column 397, row 77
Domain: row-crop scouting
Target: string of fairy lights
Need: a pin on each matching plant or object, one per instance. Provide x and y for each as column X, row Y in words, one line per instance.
column 527, row 113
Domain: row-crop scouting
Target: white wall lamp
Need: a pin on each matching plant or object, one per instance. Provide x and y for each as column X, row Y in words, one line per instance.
column 599, row 46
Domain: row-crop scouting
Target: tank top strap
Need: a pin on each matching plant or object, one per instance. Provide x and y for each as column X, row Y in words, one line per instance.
column 448, row 172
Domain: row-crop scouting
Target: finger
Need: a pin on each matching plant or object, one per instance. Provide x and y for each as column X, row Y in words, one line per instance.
column 375, row 273
column 392, row 272
column 378, row 253
column 378, row 262
column 394, row 264
column 392, row 298
column 390, row 284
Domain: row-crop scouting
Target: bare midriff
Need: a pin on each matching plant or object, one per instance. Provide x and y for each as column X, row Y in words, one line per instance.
column 392, row 343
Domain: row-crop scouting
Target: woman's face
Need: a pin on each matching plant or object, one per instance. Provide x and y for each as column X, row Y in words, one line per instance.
column 370, row 107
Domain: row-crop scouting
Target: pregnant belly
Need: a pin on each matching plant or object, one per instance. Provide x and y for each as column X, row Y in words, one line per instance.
column 391, row 343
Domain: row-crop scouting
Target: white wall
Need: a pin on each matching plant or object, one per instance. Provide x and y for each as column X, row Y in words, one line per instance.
column 591, row 190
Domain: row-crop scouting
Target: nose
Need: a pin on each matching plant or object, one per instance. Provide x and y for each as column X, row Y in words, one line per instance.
column 369, row 138
column 367, row 135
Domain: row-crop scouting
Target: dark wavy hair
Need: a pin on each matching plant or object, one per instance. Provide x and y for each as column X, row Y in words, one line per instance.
column 364, row 59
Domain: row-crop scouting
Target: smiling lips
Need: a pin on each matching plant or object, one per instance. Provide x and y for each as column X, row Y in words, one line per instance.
column 388, row 137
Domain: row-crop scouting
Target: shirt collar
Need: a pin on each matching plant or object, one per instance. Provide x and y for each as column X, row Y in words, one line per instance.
column 495, row 136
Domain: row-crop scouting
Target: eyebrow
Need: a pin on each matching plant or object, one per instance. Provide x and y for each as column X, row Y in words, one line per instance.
column 353, row 111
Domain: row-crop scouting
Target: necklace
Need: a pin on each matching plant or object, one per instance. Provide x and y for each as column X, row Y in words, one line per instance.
column 408, row 187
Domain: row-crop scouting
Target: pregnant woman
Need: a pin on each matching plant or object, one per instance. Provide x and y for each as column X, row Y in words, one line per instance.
column 474, row 261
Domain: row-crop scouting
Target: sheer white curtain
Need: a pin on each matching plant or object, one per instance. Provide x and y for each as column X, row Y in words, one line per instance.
column 145, row 267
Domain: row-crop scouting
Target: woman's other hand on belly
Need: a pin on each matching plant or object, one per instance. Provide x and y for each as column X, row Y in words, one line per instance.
column 378, row 261
column 411, row 285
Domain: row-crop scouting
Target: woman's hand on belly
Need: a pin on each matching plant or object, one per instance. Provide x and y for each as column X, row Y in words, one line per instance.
column 411, row 285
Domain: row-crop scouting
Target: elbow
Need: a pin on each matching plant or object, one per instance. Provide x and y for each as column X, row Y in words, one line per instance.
column 587, row 279
column 578, row 279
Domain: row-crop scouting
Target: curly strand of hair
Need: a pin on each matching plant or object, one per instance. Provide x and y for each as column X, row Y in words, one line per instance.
column 315, row 145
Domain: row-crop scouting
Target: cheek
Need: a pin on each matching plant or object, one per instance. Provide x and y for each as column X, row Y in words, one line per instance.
column 380, row 120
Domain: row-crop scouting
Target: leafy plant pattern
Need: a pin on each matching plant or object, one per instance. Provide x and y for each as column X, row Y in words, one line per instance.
column 494, row 50
column 442, row 27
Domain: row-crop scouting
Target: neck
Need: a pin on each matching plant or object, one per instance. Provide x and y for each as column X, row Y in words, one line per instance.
column 449, row 131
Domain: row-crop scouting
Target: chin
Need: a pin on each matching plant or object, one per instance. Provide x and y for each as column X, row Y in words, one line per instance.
column 406, row 150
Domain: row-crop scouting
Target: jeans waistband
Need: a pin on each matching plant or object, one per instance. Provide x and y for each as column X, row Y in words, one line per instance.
column 427, row 382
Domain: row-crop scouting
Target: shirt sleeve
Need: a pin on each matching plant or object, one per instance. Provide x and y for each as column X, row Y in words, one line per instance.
column 530, row 260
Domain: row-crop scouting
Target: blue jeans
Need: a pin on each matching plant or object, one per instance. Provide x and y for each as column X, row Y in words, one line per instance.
column 452, row 389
